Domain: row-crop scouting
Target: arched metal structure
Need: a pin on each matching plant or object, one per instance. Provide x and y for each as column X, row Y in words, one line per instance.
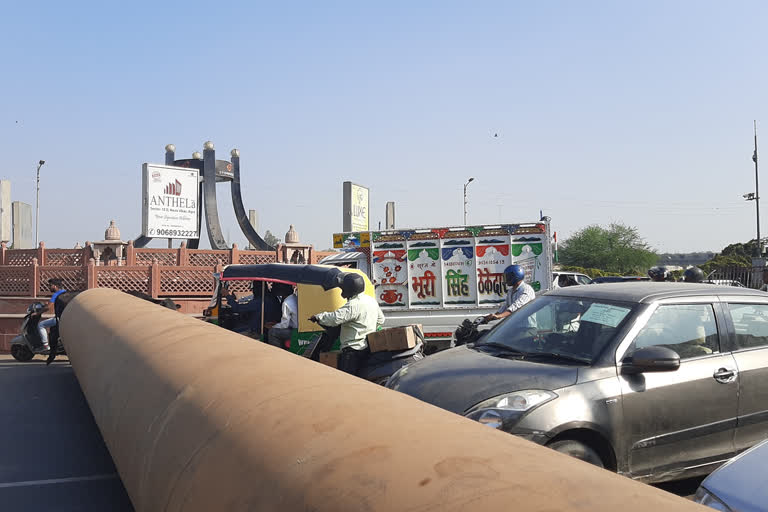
column 212, row 172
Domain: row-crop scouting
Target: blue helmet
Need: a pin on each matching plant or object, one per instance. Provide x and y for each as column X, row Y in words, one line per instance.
column 513, row 274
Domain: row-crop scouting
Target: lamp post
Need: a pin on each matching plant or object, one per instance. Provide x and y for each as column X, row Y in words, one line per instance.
column 470, row 180
column 756, row 198
column 37, row 202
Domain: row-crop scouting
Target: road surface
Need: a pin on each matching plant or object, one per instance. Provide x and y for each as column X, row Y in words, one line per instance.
column 52, row 457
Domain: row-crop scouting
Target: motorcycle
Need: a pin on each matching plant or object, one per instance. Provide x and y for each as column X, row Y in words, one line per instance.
column 468, row 331
column 379, row 366
column 28, row 343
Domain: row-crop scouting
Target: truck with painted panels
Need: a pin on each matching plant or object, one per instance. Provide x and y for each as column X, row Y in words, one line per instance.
column 439, row 276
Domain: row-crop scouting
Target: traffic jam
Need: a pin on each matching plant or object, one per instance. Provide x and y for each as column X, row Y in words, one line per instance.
column 656, row 381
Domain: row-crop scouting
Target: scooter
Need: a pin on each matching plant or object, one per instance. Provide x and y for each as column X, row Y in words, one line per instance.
column 379, row 366
column 28, row 343
column 468, row 331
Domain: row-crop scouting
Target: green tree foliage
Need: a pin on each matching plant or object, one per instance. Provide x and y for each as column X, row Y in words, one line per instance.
column 734, row 255
column 616, row 249
column 591, row 272
column 271, row 239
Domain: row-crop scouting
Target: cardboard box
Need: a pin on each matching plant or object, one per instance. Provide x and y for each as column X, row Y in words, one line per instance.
column 330, row 359
column 394, row 339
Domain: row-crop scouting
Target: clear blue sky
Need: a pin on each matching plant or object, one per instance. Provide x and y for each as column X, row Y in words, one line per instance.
column 635, row 112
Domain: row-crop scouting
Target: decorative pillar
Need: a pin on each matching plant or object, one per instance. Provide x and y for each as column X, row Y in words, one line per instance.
column 92, row 281
column 183, row 260
column 154, row 279
column 234, row 254
column 41, row 253
column 130, row 254
column 35, row 281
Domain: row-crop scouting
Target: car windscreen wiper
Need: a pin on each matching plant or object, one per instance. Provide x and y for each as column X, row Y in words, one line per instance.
column 502, row 348
column 560, row 357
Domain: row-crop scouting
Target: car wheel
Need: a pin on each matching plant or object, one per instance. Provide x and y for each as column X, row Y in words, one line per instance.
column 21, row 353
column 578, row 450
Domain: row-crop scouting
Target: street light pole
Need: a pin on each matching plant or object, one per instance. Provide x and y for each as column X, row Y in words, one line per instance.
column 37, row 202
column 757, row 198
column 470, row 180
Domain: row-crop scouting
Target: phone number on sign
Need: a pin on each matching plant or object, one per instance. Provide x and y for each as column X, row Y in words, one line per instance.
column 171, row 232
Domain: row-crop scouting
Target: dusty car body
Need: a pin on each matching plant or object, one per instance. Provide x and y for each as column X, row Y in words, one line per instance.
column 657, row 381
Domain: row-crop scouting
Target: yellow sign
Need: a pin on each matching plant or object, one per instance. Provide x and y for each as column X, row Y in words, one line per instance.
column 359, row 208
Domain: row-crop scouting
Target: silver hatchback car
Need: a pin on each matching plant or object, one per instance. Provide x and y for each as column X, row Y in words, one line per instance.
column 657, row 381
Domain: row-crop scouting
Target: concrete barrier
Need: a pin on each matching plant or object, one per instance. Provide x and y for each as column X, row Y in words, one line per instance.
column 199, row 418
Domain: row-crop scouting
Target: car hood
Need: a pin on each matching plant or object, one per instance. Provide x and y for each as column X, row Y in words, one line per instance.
column 739, row 483
column 459, row 378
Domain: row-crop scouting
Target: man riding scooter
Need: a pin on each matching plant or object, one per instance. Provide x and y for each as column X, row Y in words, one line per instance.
column 56, row 286
column 359, row 317
column 519, row 293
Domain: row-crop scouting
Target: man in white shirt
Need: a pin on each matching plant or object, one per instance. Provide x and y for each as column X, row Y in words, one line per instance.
column 359, row 317
column 280, row 333
column 519, row 293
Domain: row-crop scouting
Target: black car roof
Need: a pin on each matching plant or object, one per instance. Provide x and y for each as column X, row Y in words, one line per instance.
column 327, row 277
column 650, row 291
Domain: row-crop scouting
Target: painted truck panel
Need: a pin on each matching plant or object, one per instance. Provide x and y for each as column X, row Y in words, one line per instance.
column 439, row 276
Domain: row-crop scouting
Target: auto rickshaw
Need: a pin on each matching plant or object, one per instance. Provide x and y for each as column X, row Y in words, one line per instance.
column 317, row 289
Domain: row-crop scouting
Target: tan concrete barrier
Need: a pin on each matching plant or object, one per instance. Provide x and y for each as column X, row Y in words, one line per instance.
column 199, row 418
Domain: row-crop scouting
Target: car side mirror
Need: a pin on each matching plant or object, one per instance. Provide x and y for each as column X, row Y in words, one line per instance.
column 651, row 359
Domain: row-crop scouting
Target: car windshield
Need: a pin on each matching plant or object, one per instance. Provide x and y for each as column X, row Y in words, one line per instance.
column 559, row 329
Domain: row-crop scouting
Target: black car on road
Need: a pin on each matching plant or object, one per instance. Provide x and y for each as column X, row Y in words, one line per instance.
column 657, row 381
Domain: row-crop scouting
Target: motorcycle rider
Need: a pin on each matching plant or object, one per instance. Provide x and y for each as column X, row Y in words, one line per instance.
column 359, row 317
column 56, row 287
column 658, row 274
column 519, row 293
column 693, row 275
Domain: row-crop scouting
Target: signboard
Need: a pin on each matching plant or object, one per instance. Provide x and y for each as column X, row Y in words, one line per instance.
column 424, row 270
column 355, row 204
column 390, row 273
column 526, row 250
column 454, row 267
column 170, row 202
column 492, row 258
column 459, row 282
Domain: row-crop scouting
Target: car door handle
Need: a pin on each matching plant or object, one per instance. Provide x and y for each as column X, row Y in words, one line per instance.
column 725, row 375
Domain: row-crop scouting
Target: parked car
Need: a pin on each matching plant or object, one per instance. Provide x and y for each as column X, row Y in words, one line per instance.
column 561, row 279
column 738, row 485
column 619, row 279
column 657, row 381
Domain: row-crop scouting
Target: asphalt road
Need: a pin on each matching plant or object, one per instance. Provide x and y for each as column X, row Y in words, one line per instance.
column 52, row 456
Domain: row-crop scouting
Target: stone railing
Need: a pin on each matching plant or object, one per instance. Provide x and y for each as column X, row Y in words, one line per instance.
column 178, row 272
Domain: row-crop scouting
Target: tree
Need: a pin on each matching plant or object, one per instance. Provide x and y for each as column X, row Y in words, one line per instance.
column 271, row 239
column 617, row 248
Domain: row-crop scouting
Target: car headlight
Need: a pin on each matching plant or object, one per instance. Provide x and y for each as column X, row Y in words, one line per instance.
column 497, row 411
column 704, row 497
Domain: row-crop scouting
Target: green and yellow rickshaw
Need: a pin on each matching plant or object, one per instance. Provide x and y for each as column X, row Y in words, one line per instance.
column 317, row 288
